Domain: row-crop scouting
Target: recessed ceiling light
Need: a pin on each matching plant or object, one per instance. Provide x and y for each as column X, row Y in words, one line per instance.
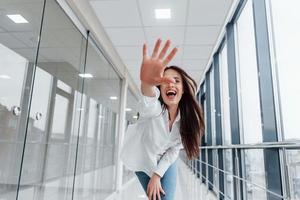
column 128, row 109
column 135, row 117
column 18, row 19
column 4, row 76
column 163, row 13
column 113, row 98
column 86, row 75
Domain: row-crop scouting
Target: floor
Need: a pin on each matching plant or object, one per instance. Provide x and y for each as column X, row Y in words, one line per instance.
column 188, row 188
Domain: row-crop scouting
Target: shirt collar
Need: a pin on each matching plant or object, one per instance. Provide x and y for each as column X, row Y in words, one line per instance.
column 166, row 115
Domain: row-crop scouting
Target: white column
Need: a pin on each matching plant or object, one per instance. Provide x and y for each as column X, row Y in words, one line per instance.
column 121, row 130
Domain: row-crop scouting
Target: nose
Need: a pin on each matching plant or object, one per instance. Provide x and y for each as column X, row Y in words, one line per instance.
column 170, row 84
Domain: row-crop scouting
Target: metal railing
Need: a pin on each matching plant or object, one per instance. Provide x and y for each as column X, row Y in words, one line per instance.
column 196, row 167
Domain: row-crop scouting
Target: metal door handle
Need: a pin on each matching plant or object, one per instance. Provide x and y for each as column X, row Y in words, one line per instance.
column 38, row 115
column 16, row 110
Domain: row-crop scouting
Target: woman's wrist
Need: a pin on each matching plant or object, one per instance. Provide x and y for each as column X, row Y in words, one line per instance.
column 156, row 175
column 148, row 90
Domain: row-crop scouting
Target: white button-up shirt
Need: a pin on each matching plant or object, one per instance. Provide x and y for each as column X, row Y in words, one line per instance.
column 158, row 147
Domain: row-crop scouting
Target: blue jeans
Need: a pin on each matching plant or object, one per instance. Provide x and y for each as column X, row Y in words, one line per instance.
column 168, row 181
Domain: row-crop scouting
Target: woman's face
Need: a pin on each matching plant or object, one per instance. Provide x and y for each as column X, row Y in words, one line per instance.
column 172, row 92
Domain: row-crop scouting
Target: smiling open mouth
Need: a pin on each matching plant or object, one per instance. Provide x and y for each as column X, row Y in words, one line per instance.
column 171, row 93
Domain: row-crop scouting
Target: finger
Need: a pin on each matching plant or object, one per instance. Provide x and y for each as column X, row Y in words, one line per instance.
column 166, row 80
column 154, row 195
column 150, row 196
column 158, row 194
column 148, row 189
column 144, row 51
column 170, row 56
column 164, row 50
column 162, row 191
column 156, row 48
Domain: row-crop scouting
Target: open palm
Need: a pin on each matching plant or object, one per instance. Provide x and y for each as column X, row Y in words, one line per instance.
column 152, row 68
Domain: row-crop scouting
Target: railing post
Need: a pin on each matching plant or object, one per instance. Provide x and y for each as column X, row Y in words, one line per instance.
column 237, row 173
column 207, row 180
column 286, row 175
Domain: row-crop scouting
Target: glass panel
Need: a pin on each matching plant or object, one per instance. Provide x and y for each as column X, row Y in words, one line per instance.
column 249, row 99
column 18, row 44
column 254, row 174
column 96, row 167
column 213, row 131
column 286, row 36
column 60, row 117
column 49, row 163
column 293, row 163
column 226, row 128
column 64, row 87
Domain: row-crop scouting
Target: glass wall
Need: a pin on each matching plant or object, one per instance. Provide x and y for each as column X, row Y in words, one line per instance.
column 285, row 16
column 286, row 42
column 62, row 99
column 18, row 47
column 226, row 129
column 249, row 99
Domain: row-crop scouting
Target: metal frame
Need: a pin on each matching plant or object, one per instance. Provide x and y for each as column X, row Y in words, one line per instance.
column 242, row 147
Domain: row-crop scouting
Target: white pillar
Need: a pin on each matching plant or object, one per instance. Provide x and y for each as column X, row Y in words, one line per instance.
column 121, row 130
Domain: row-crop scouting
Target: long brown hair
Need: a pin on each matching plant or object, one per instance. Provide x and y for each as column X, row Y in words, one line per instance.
column 191, row 115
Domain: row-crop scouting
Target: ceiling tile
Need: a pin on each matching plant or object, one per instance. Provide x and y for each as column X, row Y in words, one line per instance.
column 178, row 12
column 175, row 34
column 126, row 36
column 195, row 74
column 117, row 13
column 194, row 64
column 129, row 53
column 197, row 52
column 10, row 41
column 204, row 35
column 208, row 12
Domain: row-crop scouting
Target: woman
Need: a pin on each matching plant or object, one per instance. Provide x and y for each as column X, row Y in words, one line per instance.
column 170, row 118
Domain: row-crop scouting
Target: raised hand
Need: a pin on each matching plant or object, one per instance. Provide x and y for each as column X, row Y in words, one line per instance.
column 152, row 68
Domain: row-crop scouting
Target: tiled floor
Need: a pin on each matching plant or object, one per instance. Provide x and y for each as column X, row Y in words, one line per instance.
column 188, row 188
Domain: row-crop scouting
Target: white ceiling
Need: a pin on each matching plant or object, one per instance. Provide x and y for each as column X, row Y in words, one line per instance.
column 194, row 27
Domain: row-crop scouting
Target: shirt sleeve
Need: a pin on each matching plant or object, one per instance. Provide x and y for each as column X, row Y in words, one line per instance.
column 150, row 106
column 168, row 158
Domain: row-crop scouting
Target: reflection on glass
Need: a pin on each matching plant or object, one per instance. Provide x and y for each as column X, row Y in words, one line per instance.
column 49, row 162
column 18, row 44
column 286, row 36
column 60, row 116
column 96, row 167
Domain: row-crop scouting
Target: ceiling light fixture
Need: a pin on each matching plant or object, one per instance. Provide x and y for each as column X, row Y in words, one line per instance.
column 135, row 117
column 162, row 13
column 128, row 109
column 4, row 76
column 18, row 19
column 86, row 75
column 113, row 98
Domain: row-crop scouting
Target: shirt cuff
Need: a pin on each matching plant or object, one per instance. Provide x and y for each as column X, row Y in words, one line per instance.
column 150, row 106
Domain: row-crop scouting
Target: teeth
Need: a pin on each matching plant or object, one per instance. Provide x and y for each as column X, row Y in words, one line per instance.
column 171, row 92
